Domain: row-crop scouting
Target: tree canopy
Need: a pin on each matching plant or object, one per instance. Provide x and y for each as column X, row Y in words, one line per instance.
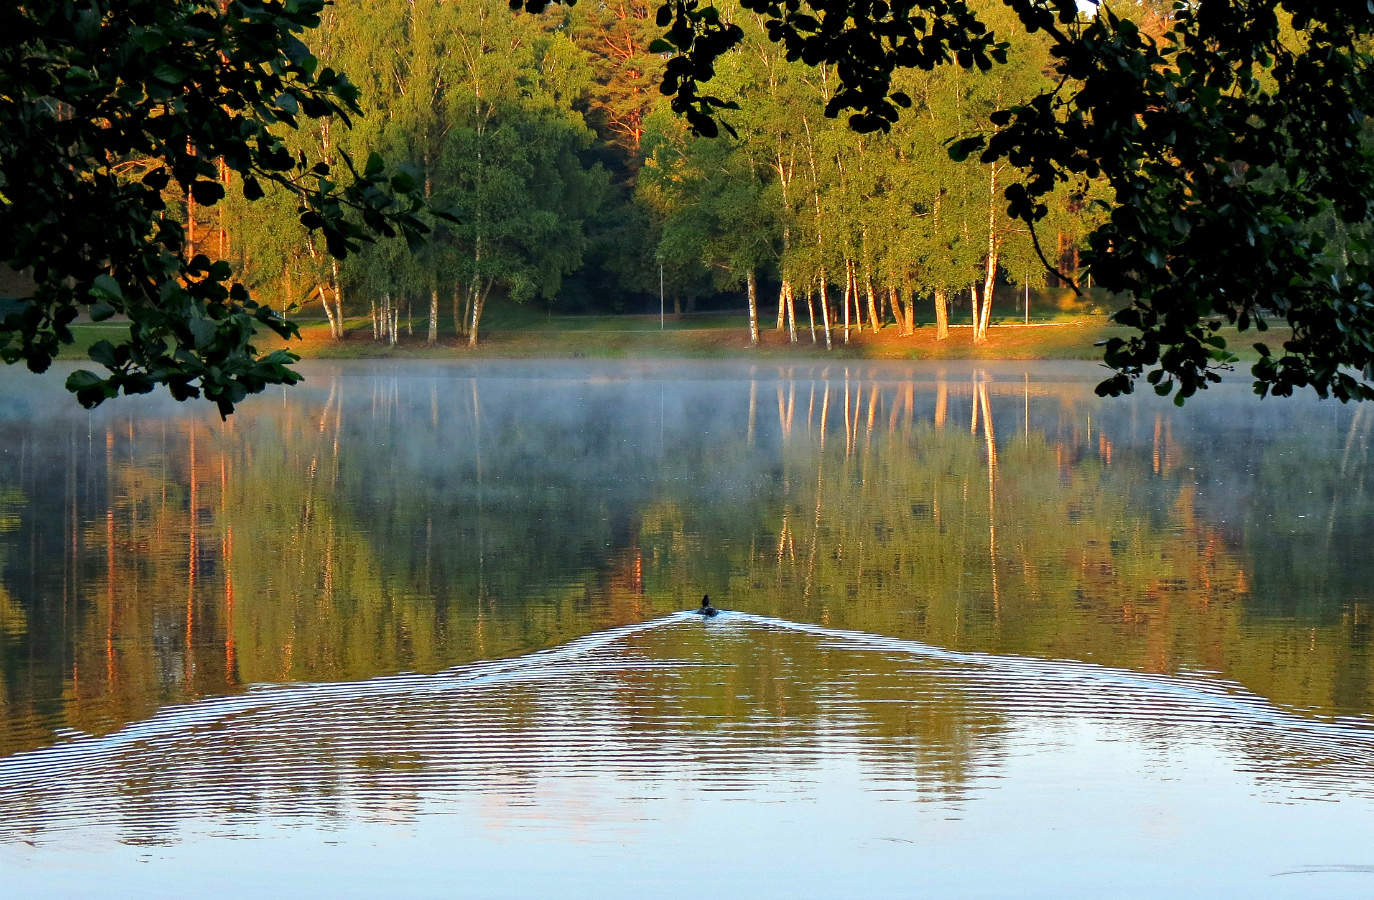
column 1231, row 136
column 173, row 163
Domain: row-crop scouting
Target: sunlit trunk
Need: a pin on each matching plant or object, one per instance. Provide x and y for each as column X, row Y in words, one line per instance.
column 338, row 294
column 848, row 294
column 753, row 309
column 825, row 311
column 872, row 301
column 791, row 311
column 811, row 315
column 328, row 313
column 982, row 314
column 941, row 314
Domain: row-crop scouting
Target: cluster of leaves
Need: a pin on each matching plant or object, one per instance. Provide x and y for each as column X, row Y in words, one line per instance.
column 105, row 111
column 1236, row 146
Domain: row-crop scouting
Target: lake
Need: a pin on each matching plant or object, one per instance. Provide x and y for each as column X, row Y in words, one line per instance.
column 424, row 630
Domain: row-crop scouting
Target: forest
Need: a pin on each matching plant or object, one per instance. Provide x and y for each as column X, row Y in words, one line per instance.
column 573, row 186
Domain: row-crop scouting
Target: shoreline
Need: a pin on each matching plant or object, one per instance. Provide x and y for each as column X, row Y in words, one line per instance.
column 704, row 337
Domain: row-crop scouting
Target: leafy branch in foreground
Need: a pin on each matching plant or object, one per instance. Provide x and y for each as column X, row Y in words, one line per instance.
column 106, row 111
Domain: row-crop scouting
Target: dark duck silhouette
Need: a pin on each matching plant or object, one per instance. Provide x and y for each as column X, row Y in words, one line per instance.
column 707, row 609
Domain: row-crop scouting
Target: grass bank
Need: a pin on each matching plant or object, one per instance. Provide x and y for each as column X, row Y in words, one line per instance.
column 520, row 333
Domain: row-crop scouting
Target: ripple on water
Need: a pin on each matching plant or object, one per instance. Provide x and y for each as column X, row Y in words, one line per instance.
column 618, row 736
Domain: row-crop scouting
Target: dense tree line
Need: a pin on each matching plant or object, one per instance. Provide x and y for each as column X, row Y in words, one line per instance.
column 572, row 184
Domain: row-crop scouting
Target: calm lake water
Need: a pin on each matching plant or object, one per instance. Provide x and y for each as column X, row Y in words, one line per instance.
column 418, row 630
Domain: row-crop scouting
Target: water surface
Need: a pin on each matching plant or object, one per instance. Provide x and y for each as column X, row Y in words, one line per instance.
column 417, row 626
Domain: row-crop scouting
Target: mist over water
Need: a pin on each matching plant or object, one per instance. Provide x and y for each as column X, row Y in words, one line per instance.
column 422, row 622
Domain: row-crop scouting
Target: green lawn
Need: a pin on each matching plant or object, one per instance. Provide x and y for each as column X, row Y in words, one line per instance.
column 519, row 332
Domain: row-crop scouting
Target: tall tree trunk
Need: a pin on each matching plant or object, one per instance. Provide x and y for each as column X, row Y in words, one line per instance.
column 872, row 300
column 458, row 313
column 433, row 335
column 910, row 310
column 782, row 303
column 941, row 314
column 983, row 315
column 338, row 294
column 811, row 313
column 410, row 319
column 858, row 304
column 791, row 311
column 478, row 302
column 753, row 308
column 825, row 311
column 372, row 312
column 848, row 290
column 328, row 313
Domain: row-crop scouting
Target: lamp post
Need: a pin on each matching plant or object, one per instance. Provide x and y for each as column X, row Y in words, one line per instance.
column 660, row 293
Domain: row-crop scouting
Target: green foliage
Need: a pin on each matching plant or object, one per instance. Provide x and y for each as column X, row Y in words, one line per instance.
column 102, row 114
column 1233, row 144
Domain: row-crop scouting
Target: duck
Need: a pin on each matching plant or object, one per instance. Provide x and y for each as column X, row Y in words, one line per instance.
column 707, row 609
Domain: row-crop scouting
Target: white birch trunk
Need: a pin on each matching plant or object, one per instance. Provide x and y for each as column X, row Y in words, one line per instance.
column 753, row 309
column 791, row 311
column 433, row 335
column 328, row 313
column 825, row 311
column 848, row 290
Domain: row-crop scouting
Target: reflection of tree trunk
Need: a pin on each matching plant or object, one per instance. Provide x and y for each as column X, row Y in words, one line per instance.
column 816, row 525
column 192, row 551
column 941, row 402
column 753, row 410
column 481, row 520
column 848, row 434
column 825, row 412
column 785, row 411
column 991, row 443
column 872, row 412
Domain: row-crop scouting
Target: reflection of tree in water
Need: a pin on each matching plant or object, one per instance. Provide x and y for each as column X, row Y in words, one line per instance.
column 933, row 511
column 386, row 523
